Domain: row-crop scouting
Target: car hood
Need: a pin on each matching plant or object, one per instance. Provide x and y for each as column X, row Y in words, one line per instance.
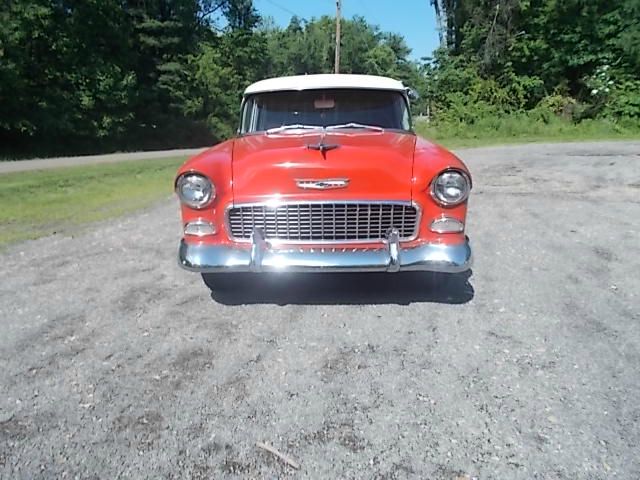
column 368, row 165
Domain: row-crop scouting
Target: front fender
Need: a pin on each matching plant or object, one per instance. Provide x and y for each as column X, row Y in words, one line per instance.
column 428, row 161
column 216, row 164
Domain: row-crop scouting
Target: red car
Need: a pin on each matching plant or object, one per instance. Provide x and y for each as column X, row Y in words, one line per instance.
column 325, row 175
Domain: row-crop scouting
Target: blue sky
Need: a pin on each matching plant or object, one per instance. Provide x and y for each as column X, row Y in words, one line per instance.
column 414, row 19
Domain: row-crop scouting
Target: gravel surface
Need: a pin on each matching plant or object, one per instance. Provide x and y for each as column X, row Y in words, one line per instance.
column 8, row 166
column 117, row 364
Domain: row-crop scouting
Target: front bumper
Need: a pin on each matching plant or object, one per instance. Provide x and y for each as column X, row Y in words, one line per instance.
column 262, row 257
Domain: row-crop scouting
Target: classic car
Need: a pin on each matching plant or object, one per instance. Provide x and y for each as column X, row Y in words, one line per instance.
column 325, row 175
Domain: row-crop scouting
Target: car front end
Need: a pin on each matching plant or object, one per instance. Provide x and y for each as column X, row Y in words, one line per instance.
column 308, row 192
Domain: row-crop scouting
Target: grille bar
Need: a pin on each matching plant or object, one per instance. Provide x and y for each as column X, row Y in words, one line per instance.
column 324, row 222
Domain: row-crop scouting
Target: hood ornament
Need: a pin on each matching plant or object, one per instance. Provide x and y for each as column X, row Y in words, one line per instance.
column 322, row 147
column 322, row 184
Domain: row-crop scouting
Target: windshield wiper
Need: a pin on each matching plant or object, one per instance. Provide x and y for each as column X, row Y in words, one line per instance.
column 296, row 126
column 355, row 125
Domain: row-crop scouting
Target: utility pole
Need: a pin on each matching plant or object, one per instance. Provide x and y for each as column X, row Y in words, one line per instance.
column 441, row 21
column 338, row 13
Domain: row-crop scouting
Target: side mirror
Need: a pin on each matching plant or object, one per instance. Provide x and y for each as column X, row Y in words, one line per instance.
column 412, row 94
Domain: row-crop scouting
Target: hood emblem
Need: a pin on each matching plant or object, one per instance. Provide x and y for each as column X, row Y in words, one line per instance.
column 323, row 184
column 322, row 147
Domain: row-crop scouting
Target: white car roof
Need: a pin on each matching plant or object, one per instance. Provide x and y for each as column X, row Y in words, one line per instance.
column 322, row 81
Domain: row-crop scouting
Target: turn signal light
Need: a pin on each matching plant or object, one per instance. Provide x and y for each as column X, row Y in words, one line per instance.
column 447, row 225
column 199, row 228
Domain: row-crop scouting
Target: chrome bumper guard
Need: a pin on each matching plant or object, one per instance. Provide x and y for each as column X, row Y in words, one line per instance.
column 261, row 257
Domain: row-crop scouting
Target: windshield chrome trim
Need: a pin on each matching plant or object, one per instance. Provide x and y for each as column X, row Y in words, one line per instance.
column 353, row 126
column 293, row 126
column 305, row 133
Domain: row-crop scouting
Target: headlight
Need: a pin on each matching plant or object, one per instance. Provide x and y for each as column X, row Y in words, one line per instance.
column 195, row 190
column 450, row 188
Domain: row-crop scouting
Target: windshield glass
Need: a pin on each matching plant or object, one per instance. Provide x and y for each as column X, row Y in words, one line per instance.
column 325, row 108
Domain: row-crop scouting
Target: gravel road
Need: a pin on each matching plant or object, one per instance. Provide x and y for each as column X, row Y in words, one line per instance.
column 117, row 364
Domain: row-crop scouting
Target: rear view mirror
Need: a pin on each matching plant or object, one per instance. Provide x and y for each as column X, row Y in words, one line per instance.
column 412, row 94
column 324, row 103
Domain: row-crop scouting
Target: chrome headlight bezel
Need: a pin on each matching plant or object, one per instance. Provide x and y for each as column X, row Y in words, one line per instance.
column 439, row 196
column 199, row 183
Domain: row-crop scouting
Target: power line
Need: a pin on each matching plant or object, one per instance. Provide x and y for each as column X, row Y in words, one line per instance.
column 367, row 13
column 285, row 9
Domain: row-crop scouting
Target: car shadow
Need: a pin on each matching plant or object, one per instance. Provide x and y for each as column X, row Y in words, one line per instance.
column 346, row 289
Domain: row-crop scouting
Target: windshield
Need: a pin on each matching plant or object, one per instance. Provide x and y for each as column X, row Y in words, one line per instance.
column 350, row 108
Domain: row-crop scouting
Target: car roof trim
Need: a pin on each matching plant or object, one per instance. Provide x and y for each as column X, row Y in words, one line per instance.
column 325, row 81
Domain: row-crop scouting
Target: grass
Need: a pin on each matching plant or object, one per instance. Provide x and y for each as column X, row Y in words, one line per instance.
column 40, row 203
column 523, row 129
column 44, row 202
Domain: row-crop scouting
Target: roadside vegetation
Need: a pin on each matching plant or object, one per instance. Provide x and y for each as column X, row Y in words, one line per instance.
column 522, row 128
column 122, row 75
column 541, row 70
column 63, row 200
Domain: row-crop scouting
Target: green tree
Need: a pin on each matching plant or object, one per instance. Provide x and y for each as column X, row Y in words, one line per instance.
column 529, row 49
column 50, row 89
column 224, row 66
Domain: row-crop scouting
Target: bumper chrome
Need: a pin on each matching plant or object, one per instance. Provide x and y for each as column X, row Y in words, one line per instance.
column 262, row 258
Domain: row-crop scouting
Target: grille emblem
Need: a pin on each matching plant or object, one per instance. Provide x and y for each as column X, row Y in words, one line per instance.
column 324, row 184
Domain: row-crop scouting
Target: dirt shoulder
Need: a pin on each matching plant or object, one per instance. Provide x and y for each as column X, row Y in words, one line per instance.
column 46, row 163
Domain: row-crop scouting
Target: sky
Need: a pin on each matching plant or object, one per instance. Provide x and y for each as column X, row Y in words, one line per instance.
column 415, row 20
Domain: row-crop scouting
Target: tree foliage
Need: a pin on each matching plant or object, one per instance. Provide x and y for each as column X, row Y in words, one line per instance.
column 515, row 54
column 95, row 75
column 91, row 75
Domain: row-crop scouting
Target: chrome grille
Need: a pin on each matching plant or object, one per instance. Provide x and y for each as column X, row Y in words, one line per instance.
column 324, row 222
